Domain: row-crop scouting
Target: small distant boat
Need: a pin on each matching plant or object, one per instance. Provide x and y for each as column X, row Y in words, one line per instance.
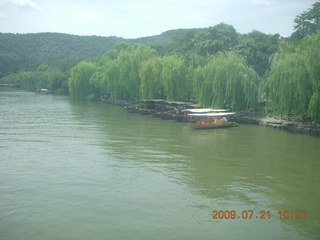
column 132, row 109
column 44, row 91
column 210, row 120
column 145, row 111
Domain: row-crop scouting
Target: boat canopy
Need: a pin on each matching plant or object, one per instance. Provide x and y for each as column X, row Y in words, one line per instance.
column 176, row 103
column 212, row 114
column 204, row 110
column 152, row 100
column 220, row 110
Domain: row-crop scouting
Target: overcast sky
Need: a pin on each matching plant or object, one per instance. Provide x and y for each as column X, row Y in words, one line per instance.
column 139, row 18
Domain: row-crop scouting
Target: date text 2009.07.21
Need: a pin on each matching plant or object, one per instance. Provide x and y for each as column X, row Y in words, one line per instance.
column 263, row 214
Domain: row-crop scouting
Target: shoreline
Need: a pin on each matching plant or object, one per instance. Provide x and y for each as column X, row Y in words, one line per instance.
column 296, row 126
column 256, row 118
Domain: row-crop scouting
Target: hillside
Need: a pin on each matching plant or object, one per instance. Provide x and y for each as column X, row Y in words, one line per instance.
column 164, row 38
column 25, row 51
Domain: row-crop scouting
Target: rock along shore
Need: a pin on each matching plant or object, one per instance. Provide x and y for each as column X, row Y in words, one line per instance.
column 292, row 125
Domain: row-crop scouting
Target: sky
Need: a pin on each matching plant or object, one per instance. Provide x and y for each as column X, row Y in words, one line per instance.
column 141, row 18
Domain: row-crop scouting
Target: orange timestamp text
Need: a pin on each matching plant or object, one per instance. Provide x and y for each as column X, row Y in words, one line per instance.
column 263, row 214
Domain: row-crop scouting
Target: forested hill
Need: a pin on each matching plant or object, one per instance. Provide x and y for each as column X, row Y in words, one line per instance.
column 17, row 50
column 164, row 38
column 26, row 51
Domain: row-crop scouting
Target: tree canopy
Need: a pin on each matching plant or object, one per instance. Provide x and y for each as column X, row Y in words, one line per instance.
column 307, row 23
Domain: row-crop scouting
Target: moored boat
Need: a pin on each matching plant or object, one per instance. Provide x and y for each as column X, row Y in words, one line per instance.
column 132, row 109
column 44, row 91
column 190, row 111
column 145, row 111
column 210, row 120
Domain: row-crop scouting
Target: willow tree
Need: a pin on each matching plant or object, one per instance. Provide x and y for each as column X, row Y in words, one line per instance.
column 289, row 87
column 175, row 78
column 294, row 81
column 312, row 51
column 111, row 83
column 151, row 82
column 121, row 74
column 79, row 84
column 226, row 82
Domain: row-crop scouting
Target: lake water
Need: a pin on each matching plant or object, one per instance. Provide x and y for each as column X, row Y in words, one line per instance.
column 79, row 170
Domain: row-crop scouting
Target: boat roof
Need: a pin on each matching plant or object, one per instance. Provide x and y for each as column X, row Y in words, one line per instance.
column 177, row 103
column 204, row 110
column 212, row 114
column 220, row 110
column 197, row 110
column 152, row 100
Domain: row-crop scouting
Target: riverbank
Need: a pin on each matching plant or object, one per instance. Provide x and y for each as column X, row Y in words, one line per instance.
column 293, row 125
column 168, row 111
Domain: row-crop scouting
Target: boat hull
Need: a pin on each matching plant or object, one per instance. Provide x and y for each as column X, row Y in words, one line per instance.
column 132, row 109
column 211, row 125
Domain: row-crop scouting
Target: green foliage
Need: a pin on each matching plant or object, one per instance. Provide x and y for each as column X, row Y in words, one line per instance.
column 314, row 107
column 257, row 48
column 151, row 79
column 10, row 62
column 226, row 82
column 294, row 82
column 79, row 85
column 43, row 77
column 175, row 78
column 35, row 48
column 165, row 77
column 121, row 79
column 23, row 52
column 215, row 39
column 289, row 86
column 312, row 52
column 310, row 48
column 164, row 38
column 307, row 23
column 180, row 43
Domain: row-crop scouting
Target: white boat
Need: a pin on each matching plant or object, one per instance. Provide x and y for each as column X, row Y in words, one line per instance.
column 44, row 90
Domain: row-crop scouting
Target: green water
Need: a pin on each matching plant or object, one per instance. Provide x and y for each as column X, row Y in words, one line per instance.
column 78, row 170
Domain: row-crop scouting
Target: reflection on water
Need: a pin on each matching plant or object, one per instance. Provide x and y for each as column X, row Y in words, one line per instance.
column 78, row 170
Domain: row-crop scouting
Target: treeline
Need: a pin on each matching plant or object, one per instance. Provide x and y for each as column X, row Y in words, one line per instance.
column 138, row 72
column 215, row 66
column 53, row 76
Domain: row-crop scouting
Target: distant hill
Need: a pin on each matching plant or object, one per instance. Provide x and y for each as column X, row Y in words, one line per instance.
column 33, row 48
column 164, row 38
column 24, row 51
